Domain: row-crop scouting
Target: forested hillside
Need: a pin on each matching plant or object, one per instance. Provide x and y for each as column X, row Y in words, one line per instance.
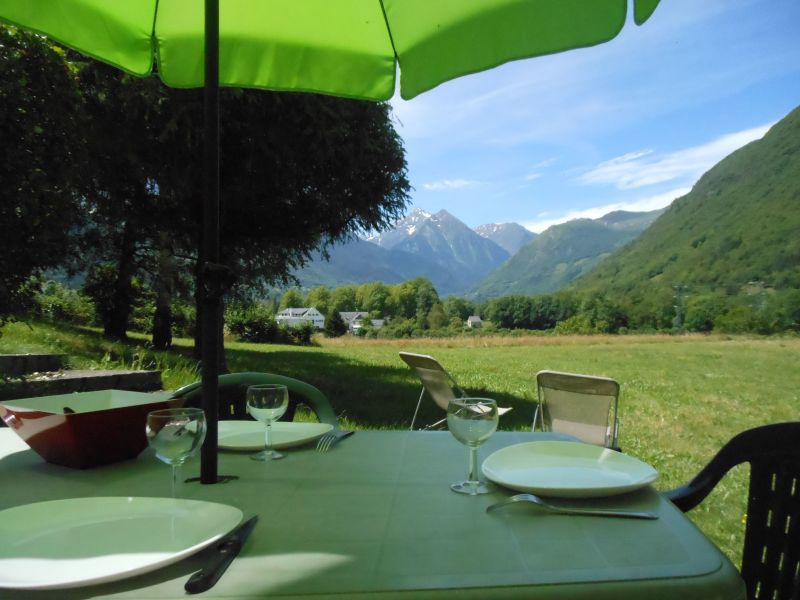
column 735, row 235
column 562, row 253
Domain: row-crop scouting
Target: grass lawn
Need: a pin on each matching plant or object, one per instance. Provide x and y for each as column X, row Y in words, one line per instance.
column 682, row 397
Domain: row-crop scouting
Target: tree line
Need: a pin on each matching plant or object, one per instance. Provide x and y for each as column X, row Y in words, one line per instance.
column 414, row 308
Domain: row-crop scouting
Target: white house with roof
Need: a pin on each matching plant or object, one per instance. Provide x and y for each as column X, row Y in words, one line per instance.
column 353, row 319
column 474, row 322
column 374, row 323
column 293, row 317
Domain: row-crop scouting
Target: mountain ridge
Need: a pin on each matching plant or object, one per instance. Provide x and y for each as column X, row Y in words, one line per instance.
column 736, row 227
column 434, row 245
column 562, row 253
column 509, row 236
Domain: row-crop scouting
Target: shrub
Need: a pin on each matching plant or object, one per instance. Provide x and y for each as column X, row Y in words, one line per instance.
column 740, row 319
column 335, row 325
column 703, row 311
column 58, row 303
column 142, row 317
column 184, row 319
column 300, row 334
column 578, row 324
column 254, row 323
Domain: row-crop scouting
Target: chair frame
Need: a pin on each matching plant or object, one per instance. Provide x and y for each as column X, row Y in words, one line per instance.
column 236, row 384
column 771, row 555
column 580, row 384
column 423, row 361
column 418, row 362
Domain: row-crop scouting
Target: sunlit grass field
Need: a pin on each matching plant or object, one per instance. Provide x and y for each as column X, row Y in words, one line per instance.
column 682, row 396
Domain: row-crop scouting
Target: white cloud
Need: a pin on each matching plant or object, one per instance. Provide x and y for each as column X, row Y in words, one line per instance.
column 639, row 169
column 535, row 169
column 641, row 205
column 542, row 164
column 449, row 184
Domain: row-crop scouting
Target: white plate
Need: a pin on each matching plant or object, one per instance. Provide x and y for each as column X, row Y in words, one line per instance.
column 83, row 541
column 567, row 470
column 249, row 435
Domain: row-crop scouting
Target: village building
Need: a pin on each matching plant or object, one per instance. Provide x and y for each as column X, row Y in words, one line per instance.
column 294, row 317
column 353, row 319
column 357, row 319
column 474, row 322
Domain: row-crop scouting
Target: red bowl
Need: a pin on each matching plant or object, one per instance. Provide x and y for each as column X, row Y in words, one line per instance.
column 86, row 429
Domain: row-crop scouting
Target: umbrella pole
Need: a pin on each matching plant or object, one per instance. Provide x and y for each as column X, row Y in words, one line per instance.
column 210, row 255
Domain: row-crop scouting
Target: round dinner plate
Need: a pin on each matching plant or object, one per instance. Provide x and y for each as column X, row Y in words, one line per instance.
column 567, row 470
column 249, row 435
column 84, row 541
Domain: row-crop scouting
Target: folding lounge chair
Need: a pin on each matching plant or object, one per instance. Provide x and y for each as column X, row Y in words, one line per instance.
column 580, row 405
column 439, row 384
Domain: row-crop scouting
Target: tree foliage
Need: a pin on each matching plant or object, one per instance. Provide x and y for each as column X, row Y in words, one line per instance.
column 335, row 325
column 42, row 164
column 298, row 171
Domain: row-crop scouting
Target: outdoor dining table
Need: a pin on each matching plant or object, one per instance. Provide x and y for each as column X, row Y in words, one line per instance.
column 375, row 517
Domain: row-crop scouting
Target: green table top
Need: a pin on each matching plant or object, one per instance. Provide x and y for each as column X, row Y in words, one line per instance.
column 375, row 517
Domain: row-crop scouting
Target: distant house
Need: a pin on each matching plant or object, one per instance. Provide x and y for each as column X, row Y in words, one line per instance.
column 474, row 322
column 353, row 319
column 356, row 320
column 293, row 317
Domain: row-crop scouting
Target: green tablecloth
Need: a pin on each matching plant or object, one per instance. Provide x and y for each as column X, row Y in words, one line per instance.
column 375, row 518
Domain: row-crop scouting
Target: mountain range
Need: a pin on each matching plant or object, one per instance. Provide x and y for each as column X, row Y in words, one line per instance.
column 492, row 260
column 461, row 253
column 509, row 236
column 736, row 230
column 562, row 253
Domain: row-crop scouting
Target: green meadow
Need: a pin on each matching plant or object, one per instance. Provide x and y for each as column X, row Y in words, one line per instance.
column 682, row 396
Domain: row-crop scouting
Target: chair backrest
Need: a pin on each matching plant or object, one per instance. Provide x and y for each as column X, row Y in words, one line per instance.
column 771, row 555
column 580, row 405
column 232, row 391
column 438, row 382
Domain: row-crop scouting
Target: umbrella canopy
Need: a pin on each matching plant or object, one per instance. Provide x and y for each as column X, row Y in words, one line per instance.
column 349, row 48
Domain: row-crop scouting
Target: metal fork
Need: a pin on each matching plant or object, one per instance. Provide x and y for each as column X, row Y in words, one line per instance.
column 327, row 441
column 530, row 498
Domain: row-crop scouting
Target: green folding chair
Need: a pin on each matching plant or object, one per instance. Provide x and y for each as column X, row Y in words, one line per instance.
column 233, row 388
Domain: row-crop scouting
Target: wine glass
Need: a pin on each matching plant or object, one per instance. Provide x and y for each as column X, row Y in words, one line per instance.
column 267, row 403
column 472, row 421
column 176, row 434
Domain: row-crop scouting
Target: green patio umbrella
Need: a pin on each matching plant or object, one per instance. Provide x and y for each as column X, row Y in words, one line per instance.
column 349, row 48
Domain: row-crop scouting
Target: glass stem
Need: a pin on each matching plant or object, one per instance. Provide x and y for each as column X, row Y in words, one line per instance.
column 176, row 480
column 266, row 439
column 472, row 474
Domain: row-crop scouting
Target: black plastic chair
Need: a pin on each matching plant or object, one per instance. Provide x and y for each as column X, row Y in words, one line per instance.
column 771, row 555
column 233, row 387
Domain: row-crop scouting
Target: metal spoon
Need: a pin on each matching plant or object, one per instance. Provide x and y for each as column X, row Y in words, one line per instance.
column 571, row 511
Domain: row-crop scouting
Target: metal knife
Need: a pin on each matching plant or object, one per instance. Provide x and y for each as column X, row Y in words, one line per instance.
column 227, row 550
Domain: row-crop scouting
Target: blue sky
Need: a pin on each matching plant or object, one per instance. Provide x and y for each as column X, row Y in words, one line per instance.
column 630, row 124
